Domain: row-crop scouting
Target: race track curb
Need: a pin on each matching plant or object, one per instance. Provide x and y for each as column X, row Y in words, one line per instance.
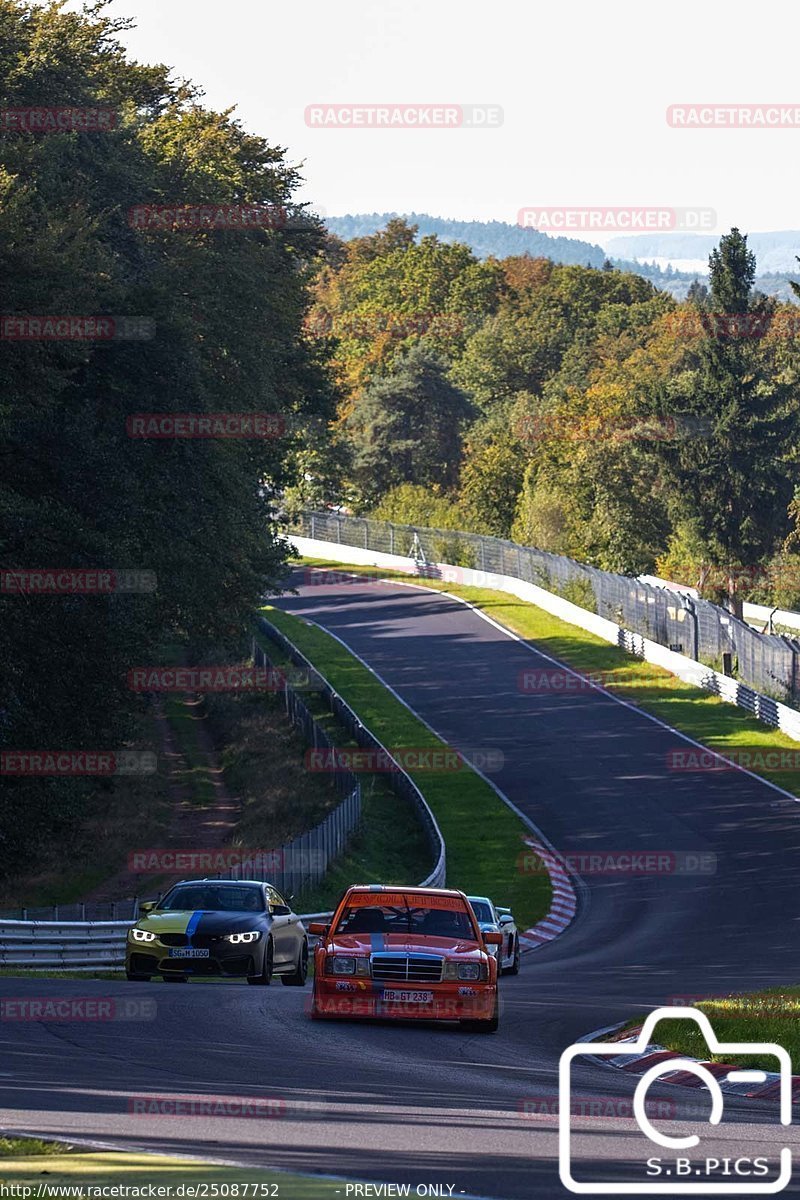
column 564, row 904
column 637, row 1064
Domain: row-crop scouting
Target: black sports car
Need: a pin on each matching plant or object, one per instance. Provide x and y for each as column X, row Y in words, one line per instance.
column 218, row 927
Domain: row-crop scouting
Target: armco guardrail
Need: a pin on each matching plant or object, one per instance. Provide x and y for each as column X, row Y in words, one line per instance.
column 71, row 945
column 100, row 945
column 68, row 945
column 766, row 709
column 398, row 779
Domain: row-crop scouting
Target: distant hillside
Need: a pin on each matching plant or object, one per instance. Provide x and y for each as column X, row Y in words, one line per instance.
column 501, row 239
column 486, row 238
column 774, row 251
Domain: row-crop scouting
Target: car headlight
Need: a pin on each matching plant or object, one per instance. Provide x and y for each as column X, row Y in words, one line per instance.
column 251, row 936
column 467, row 970
column 142, row 935
column 345, row 964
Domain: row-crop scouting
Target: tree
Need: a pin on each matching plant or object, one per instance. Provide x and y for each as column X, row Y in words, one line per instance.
column 227, row 308
column 407, row 427
column 735, row 415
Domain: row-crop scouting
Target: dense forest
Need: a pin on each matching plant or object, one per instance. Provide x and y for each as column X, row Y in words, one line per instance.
column 222, row 311
column 399, row 373
column 576, row 409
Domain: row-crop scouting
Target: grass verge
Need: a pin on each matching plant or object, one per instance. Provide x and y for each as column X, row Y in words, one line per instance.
column 706, row 718
column 772, row 1015
column 483, row 836
column 389, row 846
column 21, row 1163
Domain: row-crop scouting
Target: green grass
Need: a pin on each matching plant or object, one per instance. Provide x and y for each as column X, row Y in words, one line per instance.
column 24, row 1147
column 21, row 1164
column 772, row 1015
column 706, row 718
column 390, row 845
column 196, row 771
column 482, row 835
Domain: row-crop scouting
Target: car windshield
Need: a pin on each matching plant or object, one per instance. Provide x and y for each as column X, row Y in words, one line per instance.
column 483, row 911
column 223, row 898
column 415, row 920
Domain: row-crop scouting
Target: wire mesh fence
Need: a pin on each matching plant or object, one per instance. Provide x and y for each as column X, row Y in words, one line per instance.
column 91, row 910
column 302, row 862
column 396, row 778
column 768, row 663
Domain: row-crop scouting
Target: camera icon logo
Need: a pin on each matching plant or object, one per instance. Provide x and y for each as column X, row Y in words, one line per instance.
column 654, row 1135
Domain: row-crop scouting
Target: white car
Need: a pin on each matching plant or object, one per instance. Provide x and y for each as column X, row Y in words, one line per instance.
column 499, row 920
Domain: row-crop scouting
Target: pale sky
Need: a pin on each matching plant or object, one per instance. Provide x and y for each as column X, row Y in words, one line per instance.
column 584, row 87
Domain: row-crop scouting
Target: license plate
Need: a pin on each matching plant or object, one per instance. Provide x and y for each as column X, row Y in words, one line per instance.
column 391, row 996
column 182, row 952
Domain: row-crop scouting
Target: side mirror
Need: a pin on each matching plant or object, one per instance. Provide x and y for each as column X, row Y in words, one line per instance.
column 507, row 919
column 147, row 906
column 319, row 928
column 280, row 910
column 493, row 939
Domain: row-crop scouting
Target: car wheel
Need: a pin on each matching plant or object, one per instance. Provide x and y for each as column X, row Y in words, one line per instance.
column 134, row 978
column 300, row 973
column 514, row 968
column 265, row 978
column 490, row 1026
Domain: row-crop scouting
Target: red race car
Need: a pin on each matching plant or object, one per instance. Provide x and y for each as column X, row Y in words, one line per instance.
column 405, row 953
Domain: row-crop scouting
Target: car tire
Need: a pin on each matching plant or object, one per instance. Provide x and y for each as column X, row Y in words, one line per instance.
column 514, row 968
column 490, row 1026
column 299, row 975
column 134, row 978
column 265, row 978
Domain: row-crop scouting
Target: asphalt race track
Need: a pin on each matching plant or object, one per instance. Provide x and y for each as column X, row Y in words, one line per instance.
column 434, row 1105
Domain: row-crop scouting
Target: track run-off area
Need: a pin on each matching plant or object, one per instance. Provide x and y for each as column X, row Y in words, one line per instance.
column 437, row 1106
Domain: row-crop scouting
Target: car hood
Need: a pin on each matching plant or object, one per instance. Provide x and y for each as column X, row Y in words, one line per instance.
column 200, row 921
column 401, row 943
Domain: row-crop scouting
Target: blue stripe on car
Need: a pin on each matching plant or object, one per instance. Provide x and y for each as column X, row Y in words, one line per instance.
column 194, row 921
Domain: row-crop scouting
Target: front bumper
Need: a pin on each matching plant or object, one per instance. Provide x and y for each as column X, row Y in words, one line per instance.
column 149, row 958
column 450, row 1001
